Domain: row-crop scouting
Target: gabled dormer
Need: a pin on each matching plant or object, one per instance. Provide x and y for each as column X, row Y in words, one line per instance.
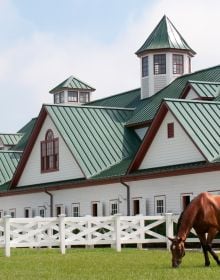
column 72, row 91
column 164, row 56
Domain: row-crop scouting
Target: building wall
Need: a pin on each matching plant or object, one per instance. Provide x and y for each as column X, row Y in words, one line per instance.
column 172, row 188
column 166, row 151
column 68, row 167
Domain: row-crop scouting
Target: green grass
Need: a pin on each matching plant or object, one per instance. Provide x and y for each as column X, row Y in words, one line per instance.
column 103, row 264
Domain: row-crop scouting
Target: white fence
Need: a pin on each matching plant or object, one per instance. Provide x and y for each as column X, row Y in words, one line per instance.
column 88, row 231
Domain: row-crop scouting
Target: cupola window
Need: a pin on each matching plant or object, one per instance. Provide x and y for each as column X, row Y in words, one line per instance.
column 49, row 152
column 159, row 64
column 84, row 97
column 177, row 64
column 72, row 96
column 59, row 98
column 144, row 66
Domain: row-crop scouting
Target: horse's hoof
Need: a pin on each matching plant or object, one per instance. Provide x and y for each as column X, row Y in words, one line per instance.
column 207, row 264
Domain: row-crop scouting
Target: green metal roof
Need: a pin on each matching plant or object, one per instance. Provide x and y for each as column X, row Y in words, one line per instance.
column 26, row 131
column 148, row 107
column 8, row 163
column 128, row 99
column 116, row 170
column 96, row 136
column 10, row 139
column 206, row 89
column 72, row 83
column 165, row 36
column 201, row 120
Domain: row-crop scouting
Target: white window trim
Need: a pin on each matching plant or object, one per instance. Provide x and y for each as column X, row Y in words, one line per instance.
column 158, row 198
column 76, row 204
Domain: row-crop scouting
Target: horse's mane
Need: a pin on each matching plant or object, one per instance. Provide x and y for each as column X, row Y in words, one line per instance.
column 180, row 220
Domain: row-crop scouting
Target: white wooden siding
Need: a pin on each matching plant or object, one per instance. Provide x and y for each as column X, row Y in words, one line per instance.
column 170, row 187
column 68, row 167
column 173, row 188
column 166, row 151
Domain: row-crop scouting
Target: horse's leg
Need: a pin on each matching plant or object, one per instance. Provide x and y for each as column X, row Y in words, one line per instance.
column 202, row 238
column 211, row 235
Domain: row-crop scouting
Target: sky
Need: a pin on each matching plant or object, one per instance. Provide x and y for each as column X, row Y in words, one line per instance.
column 44, row 42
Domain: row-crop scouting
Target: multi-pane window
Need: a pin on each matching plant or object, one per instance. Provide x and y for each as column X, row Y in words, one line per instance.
column 49, row 152
column 159, row 205
column 177, row 64
column 75, row 210
column 73, row 96
column 84, row 97
column 159, row 64
column 59, row 97
column 144, row 66
column 114, row 207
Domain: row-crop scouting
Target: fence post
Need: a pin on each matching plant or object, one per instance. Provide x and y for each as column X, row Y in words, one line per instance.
column 117, row 218
column 140, row 216
column 89, row 244
column 169, row 228
column 62, row 233
column 7, row 235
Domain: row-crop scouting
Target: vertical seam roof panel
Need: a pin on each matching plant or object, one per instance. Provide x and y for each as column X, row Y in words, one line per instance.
column 96, row 137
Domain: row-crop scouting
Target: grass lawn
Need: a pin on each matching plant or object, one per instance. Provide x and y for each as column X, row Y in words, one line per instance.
column 103, row 264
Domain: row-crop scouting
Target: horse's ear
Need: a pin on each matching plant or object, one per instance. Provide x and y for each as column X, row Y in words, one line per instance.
column 171, row 239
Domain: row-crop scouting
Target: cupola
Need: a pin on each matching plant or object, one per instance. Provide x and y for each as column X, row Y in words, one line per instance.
column 72, row 91
column 164, row 56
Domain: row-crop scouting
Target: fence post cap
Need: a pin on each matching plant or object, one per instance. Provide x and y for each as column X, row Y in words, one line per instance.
column 62, row 215
column 7, row 217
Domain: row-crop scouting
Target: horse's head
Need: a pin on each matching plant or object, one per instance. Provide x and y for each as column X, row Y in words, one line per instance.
column 178, row 251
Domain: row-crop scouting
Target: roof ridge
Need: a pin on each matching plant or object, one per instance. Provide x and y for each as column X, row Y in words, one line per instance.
column 203, row 82
column 191, row 100
column 89, row 107
column 10, row 151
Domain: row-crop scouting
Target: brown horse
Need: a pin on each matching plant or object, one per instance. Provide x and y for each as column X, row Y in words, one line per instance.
column 202, row 214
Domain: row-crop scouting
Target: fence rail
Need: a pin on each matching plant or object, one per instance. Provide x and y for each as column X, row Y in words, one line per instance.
column 87, row 231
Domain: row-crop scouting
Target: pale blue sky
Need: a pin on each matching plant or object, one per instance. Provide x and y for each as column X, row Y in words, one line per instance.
column 42, row 42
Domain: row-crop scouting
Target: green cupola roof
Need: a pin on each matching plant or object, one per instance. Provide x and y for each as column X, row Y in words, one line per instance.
column 72, row 83
column 165, row 36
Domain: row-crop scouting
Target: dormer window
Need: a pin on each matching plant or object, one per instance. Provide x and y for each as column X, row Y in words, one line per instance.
column 84, row 97
column 49, row 152
column 59, row 98
column 72, row 96
column 159, row 64
column 177, row 64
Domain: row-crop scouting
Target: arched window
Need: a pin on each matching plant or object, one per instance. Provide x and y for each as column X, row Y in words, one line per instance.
column 49, row 153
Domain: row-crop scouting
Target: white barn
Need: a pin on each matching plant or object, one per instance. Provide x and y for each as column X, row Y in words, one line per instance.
column 149, row 150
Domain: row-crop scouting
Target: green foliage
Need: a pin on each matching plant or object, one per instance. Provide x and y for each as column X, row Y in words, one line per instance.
column 103, row 264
